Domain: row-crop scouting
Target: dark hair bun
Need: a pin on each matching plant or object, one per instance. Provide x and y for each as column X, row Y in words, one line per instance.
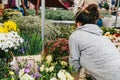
column 89, row 15
column 92, row 8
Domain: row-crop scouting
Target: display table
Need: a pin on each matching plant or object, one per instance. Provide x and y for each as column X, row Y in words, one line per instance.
column 110, row 21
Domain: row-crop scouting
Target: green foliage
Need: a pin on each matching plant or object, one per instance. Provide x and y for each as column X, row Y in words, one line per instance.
column 106, row 29
column 105, row 14
column 106, row 5
column 35, row 43
column 65, row 31
column 27, row 24
column 31, row 24
column 58, row 14
column 4, row 69
column 32, row 12
column 32, row 45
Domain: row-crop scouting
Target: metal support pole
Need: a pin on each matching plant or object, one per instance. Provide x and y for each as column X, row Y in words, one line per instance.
column 117, row 14
column 43, row 21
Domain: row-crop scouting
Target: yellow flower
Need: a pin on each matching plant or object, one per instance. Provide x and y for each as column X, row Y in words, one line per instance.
column 47, row 69
column 10, row 25
column 5, row 30
column 107, row 34
column 69, row 77
column 11, row 72
column 51, row 68
column 12, row 78
column 42, row 68
column 64, row 64
column 49, row 59
column 1, row 29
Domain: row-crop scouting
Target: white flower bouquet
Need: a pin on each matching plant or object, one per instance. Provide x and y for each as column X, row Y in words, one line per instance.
column 9, row 39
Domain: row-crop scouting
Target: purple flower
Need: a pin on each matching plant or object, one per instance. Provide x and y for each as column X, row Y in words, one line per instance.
column 22, row 50
column 36, row 75
column 27, row 70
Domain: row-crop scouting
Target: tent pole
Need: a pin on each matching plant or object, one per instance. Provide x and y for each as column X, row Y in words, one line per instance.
column 43, row 22
column 117, row 14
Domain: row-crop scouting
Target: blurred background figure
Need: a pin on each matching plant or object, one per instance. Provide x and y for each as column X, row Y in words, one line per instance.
column 113, row 2
column 1, row 7
column 83, row 3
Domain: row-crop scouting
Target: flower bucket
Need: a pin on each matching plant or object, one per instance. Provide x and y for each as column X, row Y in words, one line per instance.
column 31, row 60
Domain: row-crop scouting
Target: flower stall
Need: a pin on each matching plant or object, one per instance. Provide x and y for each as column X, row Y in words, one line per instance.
column 28, row 62
column 21, row 47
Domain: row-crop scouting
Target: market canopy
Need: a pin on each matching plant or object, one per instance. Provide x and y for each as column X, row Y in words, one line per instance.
column 52, row 3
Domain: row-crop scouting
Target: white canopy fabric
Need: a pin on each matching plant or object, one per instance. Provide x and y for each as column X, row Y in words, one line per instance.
column 4, row 1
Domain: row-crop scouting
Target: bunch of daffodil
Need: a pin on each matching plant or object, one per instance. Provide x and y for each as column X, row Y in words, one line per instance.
column 8, row 26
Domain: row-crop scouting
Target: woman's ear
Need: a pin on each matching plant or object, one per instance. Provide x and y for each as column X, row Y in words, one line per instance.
column 78, row 24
